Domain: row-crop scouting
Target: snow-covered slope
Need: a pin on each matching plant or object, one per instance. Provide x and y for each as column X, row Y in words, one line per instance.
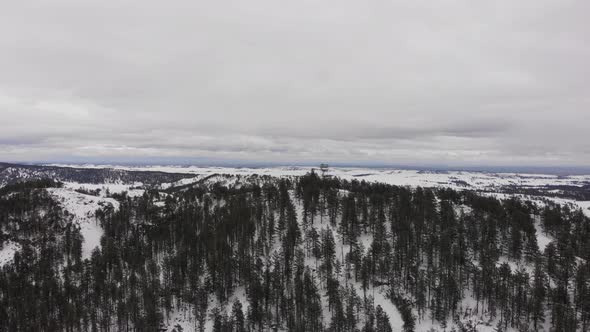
column 83, row 207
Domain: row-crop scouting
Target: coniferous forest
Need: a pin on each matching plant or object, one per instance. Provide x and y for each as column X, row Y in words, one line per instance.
column 306, row 253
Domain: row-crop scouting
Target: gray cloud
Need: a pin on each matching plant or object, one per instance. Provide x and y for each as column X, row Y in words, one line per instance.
column 445, row 82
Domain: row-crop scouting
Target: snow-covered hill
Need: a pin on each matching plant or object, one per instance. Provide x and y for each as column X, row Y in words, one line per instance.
column 12, row 173
column 561, row 189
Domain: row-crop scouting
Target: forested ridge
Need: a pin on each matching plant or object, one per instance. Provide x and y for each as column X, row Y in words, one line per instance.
column 295, row 254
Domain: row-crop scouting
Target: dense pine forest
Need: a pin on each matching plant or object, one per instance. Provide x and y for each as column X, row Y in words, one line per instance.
column 308, row 253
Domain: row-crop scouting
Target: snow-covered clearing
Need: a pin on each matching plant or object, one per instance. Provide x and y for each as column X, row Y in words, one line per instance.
column 107, row 187
column 83, row 207
column 7, row 252
column 542, row 239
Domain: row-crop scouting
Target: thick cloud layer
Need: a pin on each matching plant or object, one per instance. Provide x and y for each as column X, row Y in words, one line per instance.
column 382, row 81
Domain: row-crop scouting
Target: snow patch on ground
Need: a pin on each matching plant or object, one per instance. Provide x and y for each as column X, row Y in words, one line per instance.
column 7, row 252
column 467, row 314
column 110, row 187
column 185, row 318
column 542, row 239
column 83, row 207
column 181, row 182
column 541, row 201
column 182, row 317
column 380, row 298
column 515, row 265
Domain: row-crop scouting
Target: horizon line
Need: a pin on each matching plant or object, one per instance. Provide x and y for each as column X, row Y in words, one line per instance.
column 546, row 169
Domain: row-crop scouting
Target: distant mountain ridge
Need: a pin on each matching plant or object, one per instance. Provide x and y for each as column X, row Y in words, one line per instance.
column 11, row 173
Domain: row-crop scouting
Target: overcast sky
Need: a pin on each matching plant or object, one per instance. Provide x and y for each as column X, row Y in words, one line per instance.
column 383, row 81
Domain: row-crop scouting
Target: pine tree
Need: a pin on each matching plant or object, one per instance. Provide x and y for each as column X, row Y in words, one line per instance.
column 539, row 294
column 237, row 317
column 382, row 320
